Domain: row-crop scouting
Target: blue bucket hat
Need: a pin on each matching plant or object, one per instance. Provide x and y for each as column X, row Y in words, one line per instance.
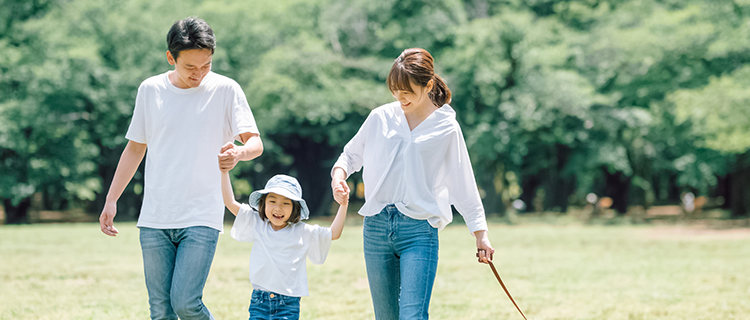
column 282, row 185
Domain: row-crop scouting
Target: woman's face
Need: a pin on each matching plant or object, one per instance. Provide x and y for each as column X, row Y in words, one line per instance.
column 278, row 209
column 417, row 98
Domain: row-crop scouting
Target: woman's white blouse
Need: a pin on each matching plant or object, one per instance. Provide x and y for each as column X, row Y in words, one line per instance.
column 422, row 171
column 277, row 260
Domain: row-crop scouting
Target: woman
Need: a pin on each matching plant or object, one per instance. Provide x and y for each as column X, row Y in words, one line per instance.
column 415, row 166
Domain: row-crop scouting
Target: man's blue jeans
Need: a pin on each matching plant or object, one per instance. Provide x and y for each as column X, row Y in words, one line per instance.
column 401, row 256
column 176, row 264
column 266, row 305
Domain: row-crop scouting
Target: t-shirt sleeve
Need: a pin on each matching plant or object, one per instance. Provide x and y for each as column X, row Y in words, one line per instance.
column 241, row 117
column 137, row 130
column 243, row 228
column 320, row 243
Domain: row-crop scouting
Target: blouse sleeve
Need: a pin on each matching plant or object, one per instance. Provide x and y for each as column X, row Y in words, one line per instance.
column 462, row 187
column 352, row 158
column 243, row 228
column 320, row 243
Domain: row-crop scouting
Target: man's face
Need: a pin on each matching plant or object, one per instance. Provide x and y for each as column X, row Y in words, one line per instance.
column 190, row 67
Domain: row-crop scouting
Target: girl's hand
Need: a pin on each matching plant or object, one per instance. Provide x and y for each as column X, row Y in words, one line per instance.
column 484, row 248
column 341, row 196
column 340, row 191
column 228, row 157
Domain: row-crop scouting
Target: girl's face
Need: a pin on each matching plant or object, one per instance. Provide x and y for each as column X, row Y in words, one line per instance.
column 417, row 98
column 278, row 209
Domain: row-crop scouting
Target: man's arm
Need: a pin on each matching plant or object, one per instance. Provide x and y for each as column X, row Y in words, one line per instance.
column 230, row 154
column 129, row 161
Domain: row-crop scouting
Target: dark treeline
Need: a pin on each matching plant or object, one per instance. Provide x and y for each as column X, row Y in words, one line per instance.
column 637, row 100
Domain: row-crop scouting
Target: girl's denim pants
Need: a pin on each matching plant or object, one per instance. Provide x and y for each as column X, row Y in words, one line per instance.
column 266, row 305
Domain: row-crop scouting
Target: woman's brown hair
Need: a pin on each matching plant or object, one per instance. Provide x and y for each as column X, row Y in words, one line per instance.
column 417, row 65
column 293, row 218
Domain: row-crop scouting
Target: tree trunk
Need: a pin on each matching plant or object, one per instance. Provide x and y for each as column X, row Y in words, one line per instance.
column 740, row 191
column 559, row 188
column 18, row 214
column 617, row 188
column 313, row 171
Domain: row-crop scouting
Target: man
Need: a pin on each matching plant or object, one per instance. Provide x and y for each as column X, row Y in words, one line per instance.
column 184, row 117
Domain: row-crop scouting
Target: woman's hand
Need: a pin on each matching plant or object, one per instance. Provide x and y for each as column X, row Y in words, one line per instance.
column 339, row 187
column 340, row 191
column 484, row 248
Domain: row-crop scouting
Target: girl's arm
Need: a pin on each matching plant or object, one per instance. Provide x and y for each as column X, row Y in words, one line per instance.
column 338, row 222
column 228, row 194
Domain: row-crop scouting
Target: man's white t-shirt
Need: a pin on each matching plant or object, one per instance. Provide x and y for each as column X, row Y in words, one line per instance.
column 184, row 130
column 277, row 260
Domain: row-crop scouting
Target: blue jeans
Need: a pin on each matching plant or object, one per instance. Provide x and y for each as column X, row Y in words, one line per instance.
column 176, row 264
column 266, row 305
column 401, row 256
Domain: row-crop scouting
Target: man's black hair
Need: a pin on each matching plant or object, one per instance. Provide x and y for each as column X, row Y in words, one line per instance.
column 190, row 33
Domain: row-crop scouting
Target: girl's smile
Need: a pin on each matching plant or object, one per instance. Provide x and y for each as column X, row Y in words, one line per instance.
column 278, row 209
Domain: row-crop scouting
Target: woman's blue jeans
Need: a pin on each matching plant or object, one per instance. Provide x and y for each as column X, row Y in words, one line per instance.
column 266, row 305
column 401, row 255
column 176, row 264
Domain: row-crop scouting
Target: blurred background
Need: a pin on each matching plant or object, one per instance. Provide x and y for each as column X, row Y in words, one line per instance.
column 606, row 107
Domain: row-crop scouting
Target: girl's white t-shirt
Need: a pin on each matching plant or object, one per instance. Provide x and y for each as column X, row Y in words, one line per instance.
column 184, row 130
column 277, row 260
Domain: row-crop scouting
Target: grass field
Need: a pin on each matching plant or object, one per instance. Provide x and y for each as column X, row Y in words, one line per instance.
column 73, row 271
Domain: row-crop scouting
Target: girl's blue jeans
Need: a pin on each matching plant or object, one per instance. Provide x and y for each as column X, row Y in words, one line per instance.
column 266, row 305
column 176, row 264
column 401, row 256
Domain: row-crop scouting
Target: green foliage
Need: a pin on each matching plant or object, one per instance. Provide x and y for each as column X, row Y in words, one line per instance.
column 636, row 99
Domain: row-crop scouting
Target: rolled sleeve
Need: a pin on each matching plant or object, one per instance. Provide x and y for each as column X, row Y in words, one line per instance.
column 242, row 119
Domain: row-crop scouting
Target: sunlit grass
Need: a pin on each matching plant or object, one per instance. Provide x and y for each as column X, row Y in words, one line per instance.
column 72, row 271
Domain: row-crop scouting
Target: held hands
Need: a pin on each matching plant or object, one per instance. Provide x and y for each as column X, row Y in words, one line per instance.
column 106, row 219
column 340, row 192
column 228, row 157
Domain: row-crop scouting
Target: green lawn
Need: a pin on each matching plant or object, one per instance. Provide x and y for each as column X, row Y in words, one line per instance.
column 72, row 271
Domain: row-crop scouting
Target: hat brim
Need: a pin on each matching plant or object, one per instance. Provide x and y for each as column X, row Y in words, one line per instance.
column 254, row 200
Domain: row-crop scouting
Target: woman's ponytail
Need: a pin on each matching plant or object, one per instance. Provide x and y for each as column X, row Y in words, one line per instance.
column 440, row 94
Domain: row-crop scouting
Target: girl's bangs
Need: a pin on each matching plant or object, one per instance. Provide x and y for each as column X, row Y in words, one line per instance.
column 399, row 79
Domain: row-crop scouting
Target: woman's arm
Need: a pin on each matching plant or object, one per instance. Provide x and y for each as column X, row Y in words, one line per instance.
column 228, row 194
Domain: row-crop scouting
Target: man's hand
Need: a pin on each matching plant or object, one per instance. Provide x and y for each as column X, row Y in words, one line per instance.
column 106, row 219
column 228, row 157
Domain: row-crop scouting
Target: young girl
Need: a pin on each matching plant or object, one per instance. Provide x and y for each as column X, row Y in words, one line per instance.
column 281, row 243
